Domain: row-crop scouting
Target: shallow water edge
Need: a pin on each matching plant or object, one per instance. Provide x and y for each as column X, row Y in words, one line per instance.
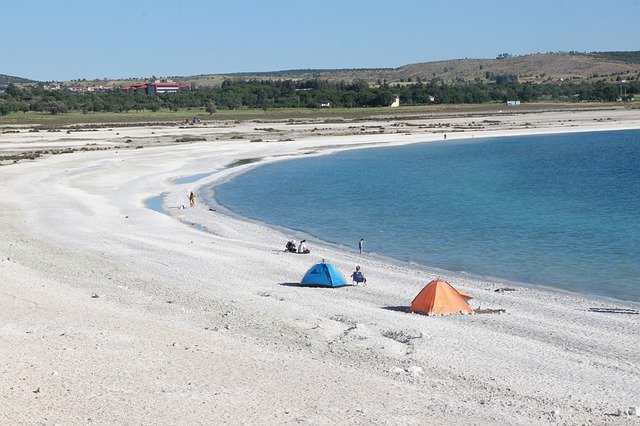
column 155, row 204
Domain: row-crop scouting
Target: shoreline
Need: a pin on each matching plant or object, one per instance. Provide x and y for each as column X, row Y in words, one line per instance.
column 407, row 264
column 121, row 314
column 216, row 206
column 318, row 241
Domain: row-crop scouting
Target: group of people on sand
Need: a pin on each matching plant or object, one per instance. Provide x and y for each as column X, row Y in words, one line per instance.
column 301, row 248
column 358, row 276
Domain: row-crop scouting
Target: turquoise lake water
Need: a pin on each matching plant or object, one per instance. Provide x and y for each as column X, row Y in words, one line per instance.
column 555, row 210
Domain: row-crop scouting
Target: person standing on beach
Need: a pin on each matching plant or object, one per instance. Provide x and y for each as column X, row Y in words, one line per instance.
column 192, row 199
column 361, row 245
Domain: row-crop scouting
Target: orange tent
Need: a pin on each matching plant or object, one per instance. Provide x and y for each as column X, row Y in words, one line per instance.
column 440, row 298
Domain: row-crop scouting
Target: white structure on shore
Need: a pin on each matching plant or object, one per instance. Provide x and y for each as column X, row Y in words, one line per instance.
column 396, row 102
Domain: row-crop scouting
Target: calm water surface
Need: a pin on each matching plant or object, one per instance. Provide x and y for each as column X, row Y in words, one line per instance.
column 555, row 210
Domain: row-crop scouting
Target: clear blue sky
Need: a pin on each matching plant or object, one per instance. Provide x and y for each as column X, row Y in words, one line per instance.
column 69, row 39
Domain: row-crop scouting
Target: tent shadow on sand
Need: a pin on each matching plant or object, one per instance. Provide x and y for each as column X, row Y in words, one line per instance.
column 404, row 308
column 312, row 286
column 289, row 284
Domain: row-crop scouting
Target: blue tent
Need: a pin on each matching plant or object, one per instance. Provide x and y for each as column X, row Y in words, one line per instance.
column 323, row 275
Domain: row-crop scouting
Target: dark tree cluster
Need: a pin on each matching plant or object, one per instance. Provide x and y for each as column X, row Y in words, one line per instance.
column 267, row 94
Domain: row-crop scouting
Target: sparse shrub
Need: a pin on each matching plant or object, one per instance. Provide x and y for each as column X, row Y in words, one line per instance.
column 190, row 139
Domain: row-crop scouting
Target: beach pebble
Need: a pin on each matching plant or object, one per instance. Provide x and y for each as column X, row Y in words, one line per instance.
column 396, row 370
column 94, row 296
column 555, row 412
column 415, row 371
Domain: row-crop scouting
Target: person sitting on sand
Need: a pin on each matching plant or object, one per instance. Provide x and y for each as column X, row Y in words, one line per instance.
column 192, row 199
column 358, row 277
column 302, row 247
column 291, row 246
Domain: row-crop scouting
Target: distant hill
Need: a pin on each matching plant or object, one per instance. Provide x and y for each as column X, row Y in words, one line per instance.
column 535, row 67
column 538, row 67
column 632, row 57
column 6, row 79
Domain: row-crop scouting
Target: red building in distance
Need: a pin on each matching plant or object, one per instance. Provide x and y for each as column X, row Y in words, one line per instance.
column 156, row 87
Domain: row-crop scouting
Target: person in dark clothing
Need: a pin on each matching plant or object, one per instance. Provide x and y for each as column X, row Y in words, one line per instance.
column 358, row 276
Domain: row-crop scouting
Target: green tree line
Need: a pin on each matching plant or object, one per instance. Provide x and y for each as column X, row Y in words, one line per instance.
column 267, row 94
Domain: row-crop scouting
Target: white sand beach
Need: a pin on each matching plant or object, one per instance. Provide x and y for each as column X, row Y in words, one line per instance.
column 118, row 314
